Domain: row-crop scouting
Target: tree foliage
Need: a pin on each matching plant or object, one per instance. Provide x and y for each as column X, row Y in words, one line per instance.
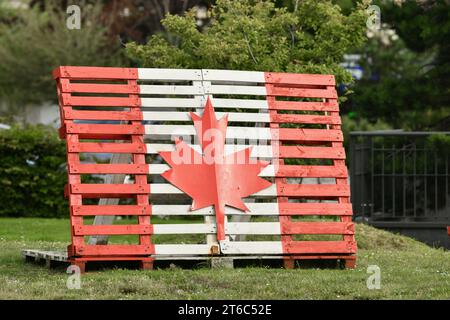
column 406, row 79
column 256, row 35
column 39, row 41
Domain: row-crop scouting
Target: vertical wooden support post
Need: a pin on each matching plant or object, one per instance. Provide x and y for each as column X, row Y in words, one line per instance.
column 349, row 238
column 277, row 161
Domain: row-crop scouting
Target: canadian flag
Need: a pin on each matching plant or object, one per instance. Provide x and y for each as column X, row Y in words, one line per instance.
column 231, row 144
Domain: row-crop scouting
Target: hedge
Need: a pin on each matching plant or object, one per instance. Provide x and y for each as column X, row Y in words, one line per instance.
column 32, row 172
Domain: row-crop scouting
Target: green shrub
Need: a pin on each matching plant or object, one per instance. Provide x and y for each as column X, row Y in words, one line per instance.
column 32, row 172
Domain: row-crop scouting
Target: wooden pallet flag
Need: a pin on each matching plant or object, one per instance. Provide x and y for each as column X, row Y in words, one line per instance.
column 290, row 122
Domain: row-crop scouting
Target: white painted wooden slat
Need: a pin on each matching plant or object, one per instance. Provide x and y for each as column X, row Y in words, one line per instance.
column 169, row 74
column 170, row 89
column 261, row 151
column 166, row 188
column 228, row 89
column 269, row 228
column 268, row 171
column 199, row 104
column 185, row 116
column 171, row 103
column 240, row 103
column 189, row 228
column 188, row 130
column 231, row 75
column 181, row 249
column 251, row 247
column 259, row 209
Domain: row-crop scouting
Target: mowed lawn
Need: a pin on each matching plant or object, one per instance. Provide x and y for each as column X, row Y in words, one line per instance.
column 409, row 270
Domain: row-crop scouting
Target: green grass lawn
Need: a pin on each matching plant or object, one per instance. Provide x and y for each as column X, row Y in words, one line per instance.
column 409, row 270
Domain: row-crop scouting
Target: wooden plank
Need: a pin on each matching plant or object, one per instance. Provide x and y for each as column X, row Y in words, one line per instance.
column 188, row 130
column 262, row 151
column 190, row 228
column 184, row 116
column 300, row 79
column 305, row 118
column 182, row 249
column 232, row 75
column 68, row 100
column 110, row 210
column 105, row 147
column 85, row 230
column 256, row 228
column 114, row 250
column 302, row 152
column 236, row 90
column 313, row 190
column 315, row 208
column 122, row 168
column 165, row 74
column 109, row 190
column 110, row 129
column 304, row 106
column 255, row 209
column 75, row 72
column 251, row 247
column 289, row 134
column 133, row 114
column 169, row 103
column 293, row 247
column 170, row 90
column 66, row 86
column 293, row 171
column 168, row 189
column 310, row 171
column 275, row 228
column 318, row 228
column 240, row 103
column 318, row 247
column 301, row 92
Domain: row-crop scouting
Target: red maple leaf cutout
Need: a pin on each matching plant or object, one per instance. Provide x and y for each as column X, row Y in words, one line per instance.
column 211, row 177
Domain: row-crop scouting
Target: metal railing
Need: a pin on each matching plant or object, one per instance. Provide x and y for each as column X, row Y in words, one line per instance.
column 399, row 176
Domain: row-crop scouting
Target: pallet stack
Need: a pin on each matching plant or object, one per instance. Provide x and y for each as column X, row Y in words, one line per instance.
column 291, row 120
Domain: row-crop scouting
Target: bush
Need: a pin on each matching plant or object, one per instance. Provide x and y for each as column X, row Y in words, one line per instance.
column 32, row 172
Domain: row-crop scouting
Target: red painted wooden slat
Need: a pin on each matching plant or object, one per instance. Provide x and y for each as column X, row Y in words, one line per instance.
column 315, row 208
column 313, row 190
column 301, row 92
column 111, row 210
column 105, row 129
column 302, row 152
column 88, row 230
column 106, row 147
column 133, row 114
column 316, row 247
column 114, row 250
column 305, row 118
column 310, row 171
column 318, row 228
column 109, row 189
column 296, row 78
column 289, row 134
column 75, row 72
column 98, row 88
column 121, row 168
column 69, row 100
column 303, row 106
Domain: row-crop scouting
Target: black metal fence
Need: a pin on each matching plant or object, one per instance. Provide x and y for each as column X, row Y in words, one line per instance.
column 399, row 176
